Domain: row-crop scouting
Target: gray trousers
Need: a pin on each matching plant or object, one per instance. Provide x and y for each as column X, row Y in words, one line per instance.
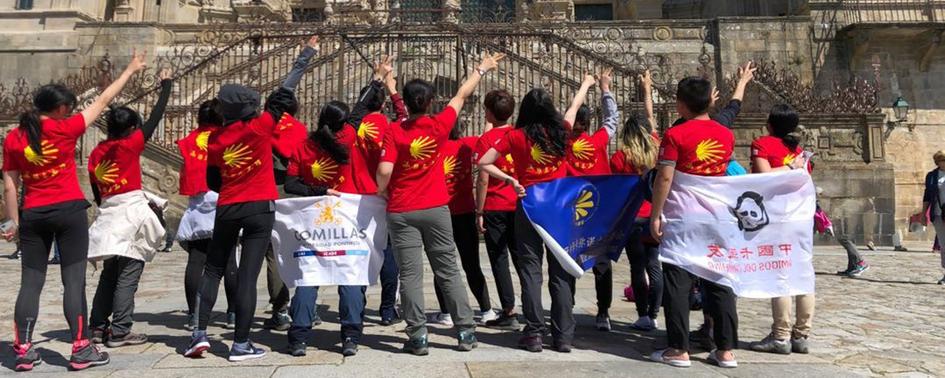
column 412, row 234
column 115, row 295
column 854, row 256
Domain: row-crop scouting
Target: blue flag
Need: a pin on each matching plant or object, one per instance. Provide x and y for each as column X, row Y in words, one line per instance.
column 584, row 218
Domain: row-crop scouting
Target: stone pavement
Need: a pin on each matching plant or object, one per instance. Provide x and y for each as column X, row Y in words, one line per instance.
column 890, row 322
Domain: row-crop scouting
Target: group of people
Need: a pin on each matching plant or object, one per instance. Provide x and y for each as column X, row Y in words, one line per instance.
column 442, row 191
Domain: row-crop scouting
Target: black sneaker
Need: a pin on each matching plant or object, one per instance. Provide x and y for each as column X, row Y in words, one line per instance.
column 86, row 357
column 562, row 347
column 26, row 357
column 390, row 321
column 99, row 335
column 15, row 255
column 349, row 348
column 530, row 343
column 248, row 353
column 467, row 341
column 297, row 349
column 198, row 345
column 279, row 321
column 230, row 320
column 844, row 272
column 316, row 321
column 129, row 338
column 54, row 261
column 505, row 321
column 418, row 346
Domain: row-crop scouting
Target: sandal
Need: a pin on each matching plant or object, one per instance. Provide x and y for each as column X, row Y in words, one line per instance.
column 660, row 356
column 729, row 364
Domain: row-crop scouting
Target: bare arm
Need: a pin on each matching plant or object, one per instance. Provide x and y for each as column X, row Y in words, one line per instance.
column 664, row 180
column 11, row 185
column 646, row 80
column 95, row 109
column 489, row 63
column 487, row 164
column 384, row 171
column 579, row 98
column 482, row 186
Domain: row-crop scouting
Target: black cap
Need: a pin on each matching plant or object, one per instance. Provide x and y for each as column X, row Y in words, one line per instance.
column 237, row 102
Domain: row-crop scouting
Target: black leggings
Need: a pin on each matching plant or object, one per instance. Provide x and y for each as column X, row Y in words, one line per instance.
column 71, row 229
column 257, row 230
column 467, row 243
column 193, row 274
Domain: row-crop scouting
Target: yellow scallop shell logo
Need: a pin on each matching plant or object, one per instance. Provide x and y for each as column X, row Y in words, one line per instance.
column 585, row 205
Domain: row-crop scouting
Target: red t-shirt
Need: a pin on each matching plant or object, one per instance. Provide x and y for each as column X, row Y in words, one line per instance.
column 243, row 152
column 698, row 147
column 193, row 148
column 619, row 165
column 288, row 136
column 532, row 165
column 115, row 165
column 774, row 151
column 587, row 154
column 48, row 178
column 316, row 167
column 370, row 138
column 499, row 195
column 418, row 181
column 457, row 166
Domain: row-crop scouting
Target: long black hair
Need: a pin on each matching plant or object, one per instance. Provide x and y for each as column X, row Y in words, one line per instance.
column 120, row 121
column 418, row 95
column 330, row 120
column 783, row 120
column 543, row 125
column 47, row 99
column 582, row 121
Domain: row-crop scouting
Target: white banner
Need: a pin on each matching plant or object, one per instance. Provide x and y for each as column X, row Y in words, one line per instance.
column 753, row 233
column 323, row 241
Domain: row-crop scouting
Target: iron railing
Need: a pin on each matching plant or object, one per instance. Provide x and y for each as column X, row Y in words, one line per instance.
column 852, row 12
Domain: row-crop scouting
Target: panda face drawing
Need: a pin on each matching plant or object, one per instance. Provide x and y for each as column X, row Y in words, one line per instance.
column 750, row 212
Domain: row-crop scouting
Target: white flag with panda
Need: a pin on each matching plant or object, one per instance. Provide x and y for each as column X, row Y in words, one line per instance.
column 753, row 233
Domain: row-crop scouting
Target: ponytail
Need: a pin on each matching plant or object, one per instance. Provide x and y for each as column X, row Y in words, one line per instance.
column 331, row 119
column 784, row 121
column 47, row 99
column 30, row 123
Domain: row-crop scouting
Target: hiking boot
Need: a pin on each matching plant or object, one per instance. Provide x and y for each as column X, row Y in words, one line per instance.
column 800, row 345
column 26, row 357
column 418, row 346
column 467, row 341
column 505, row 321
column 198, row 344
column 645, row 323
column 279, row 321
column 349, row 348
column 530, row 343
column 603, row 323
column 230, row 321
column 86, row 357
column 770, row 344
column 443, row 319
column 859, row 269
column 127, row 339
column 99, row 335
column 297, row 349
column 244, row 352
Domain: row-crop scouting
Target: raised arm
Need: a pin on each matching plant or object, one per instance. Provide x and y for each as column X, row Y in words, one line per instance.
column 579, row 98
column 390, row 82
column 298, row 68
column 730, row 112
column 489, row 63
column 646, row 80
column 158, row 111
column 608, row 103
column 91, row 113
column 381, row 69
column 745, row 75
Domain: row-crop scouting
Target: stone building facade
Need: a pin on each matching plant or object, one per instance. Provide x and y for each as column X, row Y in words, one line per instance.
column 872, row 168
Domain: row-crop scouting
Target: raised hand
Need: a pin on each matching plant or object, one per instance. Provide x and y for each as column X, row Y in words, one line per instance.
column 715, row 95
column 646, row 80
column 589, row 81
column 490, row 61
column 312, row 42
column 746, row 72
column 165, row 74
column 137, row 62
column 384, row 67
column 605, row 78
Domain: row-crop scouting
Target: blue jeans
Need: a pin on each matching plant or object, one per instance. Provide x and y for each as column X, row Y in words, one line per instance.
column 350, row 312
column 389, row 280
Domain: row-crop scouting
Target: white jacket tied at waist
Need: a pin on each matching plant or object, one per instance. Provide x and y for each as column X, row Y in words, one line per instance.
column 125, row 226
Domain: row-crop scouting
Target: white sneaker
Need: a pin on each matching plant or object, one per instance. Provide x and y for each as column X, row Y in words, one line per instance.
column 443, row 319
column 486, row 316
column 644, row 324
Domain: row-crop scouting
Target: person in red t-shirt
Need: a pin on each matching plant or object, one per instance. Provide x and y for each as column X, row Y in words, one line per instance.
column 699, row 146
column 495, row 207
column 39, row 157
column 587, row 155
column 781, row 151
column 196, row 225
column 126, row 231
column 411, row 176
column 637, row 156
column 538, row 149
column 457, row 155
